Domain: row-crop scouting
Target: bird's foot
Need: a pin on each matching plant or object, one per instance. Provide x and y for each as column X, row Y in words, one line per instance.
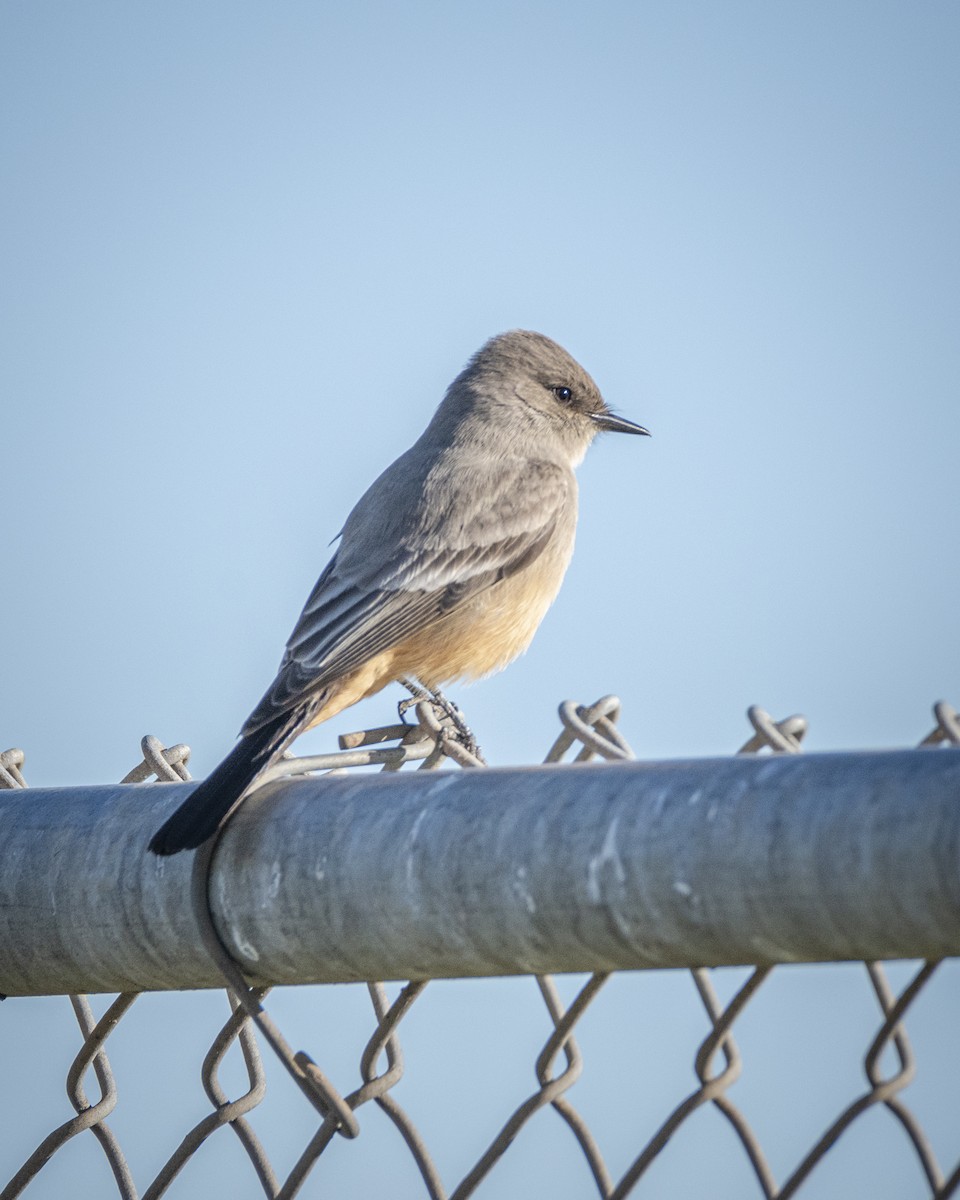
column 451, row 716
column 464, row 734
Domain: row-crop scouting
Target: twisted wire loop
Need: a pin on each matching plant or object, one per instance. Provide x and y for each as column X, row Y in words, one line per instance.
column 785, row 737
column 10, row 774
column 428, row 742
column 550, row 1091
column 166, row 764
column 594, row 728
column 782, row 737
column 337, row 1112
column 89, row 1116
column 778, row 737
column 375, row 1087
column 891, row 1036
column 226, row 1112
column 712, row 1086
column 946, row 732
column 95, row 1033
column 385, row 1040
column 318, row 1090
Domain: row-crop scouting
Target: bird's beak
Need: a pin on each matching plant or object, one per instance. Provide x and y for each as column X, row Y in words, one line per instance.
column 615, row 424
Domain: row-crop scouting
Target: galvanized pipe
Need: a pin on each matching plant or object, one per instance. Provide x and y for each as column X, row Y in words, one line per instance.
column 493, row 872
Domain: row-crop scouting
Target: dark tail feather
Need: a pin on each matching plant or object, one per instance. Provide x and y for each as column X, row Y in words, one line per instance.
column 199, row 816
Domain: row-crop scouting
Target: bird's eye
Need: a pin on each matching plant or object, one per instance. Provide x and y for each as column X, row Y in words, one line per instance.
column 563, row 394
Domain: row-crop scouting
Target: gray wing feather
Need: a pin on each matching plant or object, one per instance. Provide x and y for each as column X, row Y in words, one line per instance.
column 360, row 606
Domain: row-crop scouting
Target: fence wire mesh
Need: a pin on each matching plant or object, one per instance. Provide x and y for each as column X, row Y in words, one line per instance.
column 473, row 1105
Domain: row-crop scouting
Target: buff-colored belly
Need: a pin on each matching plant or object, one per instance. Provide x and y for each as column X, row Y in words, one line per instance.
column 481, row 637
column 486, row 634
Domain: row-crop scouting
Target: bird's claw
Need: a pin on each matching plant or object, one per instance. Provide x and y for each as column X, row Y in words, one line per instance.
column 451, row 717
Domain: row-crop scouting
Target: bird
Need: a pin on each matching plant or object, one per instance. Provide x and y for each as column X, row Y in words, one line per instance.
column 444, row 568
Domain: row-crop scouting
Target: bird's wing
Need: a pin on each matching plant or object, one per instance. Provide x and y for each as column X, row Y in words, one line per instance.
column 348, row 621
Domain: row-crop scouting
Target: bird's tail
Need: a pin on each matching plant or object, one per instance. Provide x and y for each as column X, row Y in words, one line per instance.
column 200, row 815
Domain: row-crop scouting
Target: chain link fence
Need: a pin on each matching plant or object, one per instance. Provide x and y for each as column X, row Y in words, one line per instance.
column 446, row 1122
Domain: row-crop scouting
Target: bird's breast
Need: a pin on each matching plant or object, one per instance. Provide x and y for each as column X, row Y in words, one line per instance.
column 494, row 627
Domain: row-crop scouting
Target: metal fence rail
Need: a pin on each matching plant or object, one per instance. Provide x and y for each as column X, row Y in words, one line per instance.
column 752, row 860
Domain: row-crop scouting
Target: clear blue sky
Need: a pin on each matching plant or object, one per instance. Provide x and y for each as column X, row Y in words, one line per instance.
column 245, row 247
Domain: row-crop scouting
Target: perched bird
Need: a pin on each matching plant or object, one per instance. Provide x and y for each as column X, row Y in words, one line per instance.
column 445, row 567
